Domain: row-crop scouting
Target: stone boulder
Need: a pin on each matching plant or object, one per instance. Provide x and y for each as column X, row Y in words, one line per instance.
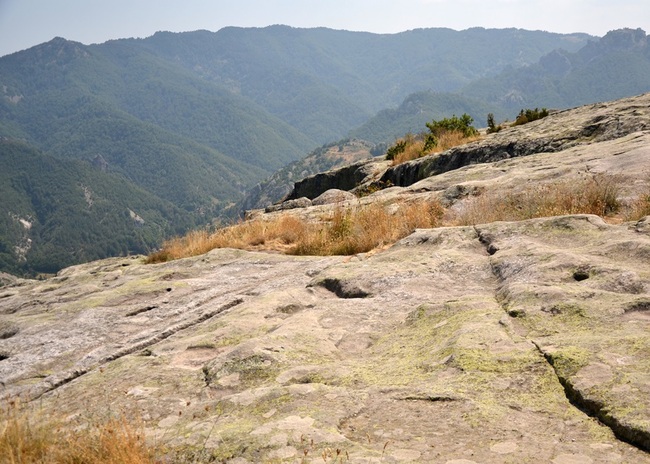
column 302, row 202
column 345, row 178
column 333, row 196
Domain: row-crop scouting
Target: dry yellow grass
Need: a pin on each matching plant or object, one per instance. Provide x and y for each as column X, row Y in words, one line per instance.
column 587, row 195
column 270, row 235
column 28, row 436
column 413, row 149
column 639, row 208
column 364, row 228
column 342, row 232
column 415, row 145
column 453, row 139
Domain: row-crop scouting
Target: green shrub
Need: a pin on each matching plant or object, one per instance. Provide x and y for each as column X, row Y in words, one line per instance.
column 453, row 124
column 396, row 149
column 492, row 128
column 528, row 115
column 442, row 135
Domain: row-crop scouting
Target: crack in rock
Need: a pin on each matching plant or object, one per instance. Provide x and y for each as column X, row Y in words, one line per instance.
column 487, row 241
column 433, row 399
column 135, row 312
column 592, row 408
column 596, row 409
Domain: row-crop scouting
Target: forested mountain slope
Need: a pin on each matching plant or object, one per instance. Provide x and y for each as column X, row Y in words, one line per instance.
column 615, row 66
column 195, row 119
column 55, row 213
column 326, row 82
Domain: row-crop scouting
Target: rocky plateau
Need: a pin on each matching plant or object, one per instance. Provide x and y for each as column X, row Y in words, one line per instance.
column 507, row 342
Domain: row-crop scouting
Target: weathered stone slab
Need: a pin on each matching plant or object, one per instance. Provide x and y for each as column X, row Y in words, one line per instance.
column 451, row 354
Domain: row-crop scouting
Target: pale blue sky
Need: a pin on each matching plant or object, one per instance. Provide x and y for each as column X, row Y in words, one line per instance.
column 24, row 23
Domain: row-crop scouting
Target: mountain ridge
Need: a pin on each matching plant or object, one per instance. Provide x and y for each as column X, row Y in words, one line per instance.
column 198, row 118
column 566, row 79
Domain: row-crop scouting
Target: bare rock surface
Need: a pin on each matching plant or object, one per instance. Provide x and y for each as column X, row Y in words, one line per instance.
column 6, row 279
column 333, row 196
column 345, row 178
column 302, row 202
column 505, row 342
column 560, row 131
column 508, row 341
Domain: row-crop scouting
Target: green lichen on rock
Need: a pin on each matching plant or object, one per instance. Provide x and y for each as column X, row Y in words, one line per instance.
column 481, row 360
column 568, row 360
column 252, row 370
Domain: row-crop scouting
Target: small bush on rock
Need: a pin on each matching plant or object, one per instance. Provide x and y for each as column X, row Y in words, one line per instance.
column 442, row 135
column 461, row 124
column 639, row 208
column 528, row 115
column 492, row 128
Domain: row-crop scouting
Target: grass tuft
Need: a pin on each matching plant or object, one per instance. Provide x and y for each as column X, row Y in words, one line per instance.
column 414, row 146
column 639, row 208
column 26, row 437
column 595, row 194
column 363, row 229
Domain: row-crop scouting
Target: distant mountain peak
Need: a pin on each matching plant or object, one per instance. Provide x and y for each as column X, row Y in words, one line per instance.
column 61, row 49
column 625, row 39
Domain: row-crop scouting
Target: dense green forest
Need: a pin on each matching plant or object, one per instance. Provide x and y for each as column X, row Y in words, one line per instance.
column 55, row 213
column 373, row 71
column 175, row 128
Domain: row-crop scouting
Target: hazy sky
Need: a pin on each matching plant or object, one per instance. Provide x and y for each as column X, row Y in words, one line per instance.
column 24, row 23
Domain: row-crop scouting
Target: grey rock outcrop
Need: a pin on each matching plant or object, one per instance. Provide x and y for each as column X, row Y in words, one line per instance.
column 471, row 343
column 7, row 279
column 503, row 342
column 301, row 202
column 557, row 132
column 560, row 131
column 333, row 196
column 346, row 178
column 327, row 157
